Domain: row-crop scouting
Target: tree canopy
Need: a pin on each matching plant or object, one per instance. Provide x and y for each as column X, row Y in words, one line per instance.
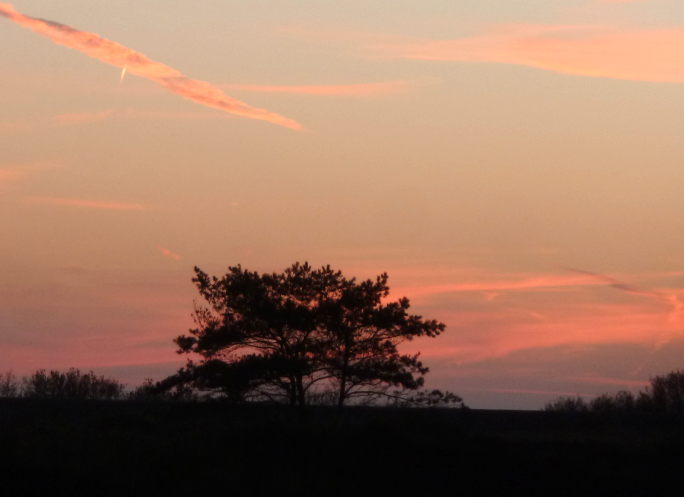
column 290, row 336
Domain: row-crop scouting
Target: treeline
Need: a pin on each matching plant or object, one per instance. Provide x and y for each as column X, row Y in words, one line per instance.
column 664, row 394
column 71, row 384
column 75, row 384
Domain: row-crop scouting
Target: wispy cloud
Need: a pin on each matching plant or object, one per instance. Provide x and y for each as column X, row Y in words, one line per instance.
column 351, row 90
column 604, row 380
column 136, row 63
column 83, row 117
column 78, row 118
column 545, row 393
column 490, row 288
column 87, row 204
column 101, row 116
column 598, row 51
column 495, row 315
column 668, row 298
column 168, row 254
column 12, row 174
column 9, row 126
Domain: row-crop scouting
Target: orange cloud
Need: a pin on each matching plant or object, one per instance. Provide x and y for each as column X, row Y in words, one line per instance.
column 15, row 125
column 489, row 288
column 88, row 204
column 171, row 255
column 473, row 336
column 669, row 298
column 84, row 117
column 352, row 90
column 495, row 316
column 621, row 53
column 136, row 63
column 10, row 175
column 15, row 173
column 77, row 118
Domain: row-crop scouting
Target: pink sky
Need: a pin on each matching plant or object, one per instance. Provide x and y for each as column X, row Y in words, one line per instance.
column 515, row 168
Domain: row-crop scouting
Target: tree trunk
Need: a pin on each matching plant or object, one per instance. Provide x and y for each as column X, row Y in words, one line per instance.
column 342, row 396
column 301, row 397
column 292, row 387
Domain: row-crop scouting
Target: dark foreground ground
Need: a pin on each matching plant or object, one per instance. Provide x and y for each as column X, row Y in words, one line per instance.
column 124, row 449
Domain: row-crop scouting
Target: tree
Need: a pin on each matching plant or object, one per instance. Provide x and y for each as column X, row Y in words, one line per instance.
column 432, row 398
column 165, row 390
column 290, row 336
column 360, row 335
column 72, row 384
column 666, row 392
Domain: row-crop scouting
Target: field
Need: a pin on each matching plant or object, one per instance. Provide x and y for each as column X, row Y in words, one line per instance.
column 128, row 448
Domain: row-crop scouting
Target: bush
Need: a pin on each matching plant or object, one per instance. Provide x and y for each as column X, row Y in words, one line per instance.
column 665, row 394
column 623, row 400
column 9, row 385
column 72, row 384
column 567, row 404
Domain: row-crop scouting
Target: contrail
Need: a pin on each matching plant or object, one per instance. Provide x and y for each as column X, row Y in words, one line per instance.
column 136, row 63
column 123, row 74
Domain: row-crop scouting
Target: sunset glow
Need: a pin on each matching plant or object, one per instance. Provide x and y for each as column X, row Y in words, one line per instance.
column 515, row 167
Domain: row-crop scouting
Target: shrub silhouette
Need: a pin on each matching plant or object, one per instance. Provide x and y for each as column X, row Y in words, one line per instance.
column 664, row 394
column 72, row 384
column 567, row 404
column 9, row 385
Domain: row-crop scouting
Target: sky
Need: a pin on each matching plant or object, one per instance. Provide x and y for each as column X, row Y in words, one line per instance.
column 514, row 166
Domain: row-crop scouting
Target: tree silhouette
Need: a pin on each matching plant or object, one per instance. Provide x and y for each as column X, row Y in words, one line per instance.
column 290, row 336
column 72, row 384
column 666, row 392
column 360, row 335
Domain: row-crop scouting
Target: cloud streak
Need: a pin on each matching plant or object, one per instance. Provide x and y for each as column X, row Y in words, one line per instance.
column 352, row 90
column 10, row 175
column 113, row 53
column 168, row 254
column 84, row 117
column 13, row 174
column 87, row 204
column 490, row 288
column 670, row 299
column 636, row 54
